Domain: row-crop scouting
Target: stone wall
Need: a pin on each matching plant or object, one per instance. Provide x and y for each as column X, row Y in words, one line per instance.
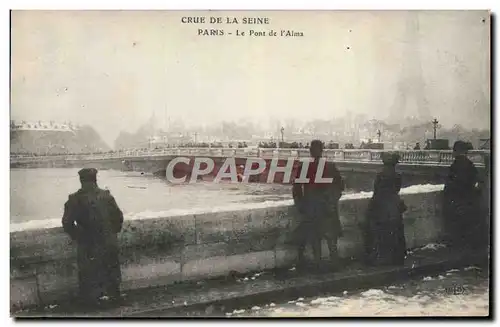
column 173, row 249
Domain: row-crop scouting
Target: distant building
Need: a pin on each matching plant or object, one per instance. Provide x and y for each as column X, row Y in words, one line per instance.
column 437, row 144
column 157, row 140
column 43, row 138
column 178, row 138
column 42, row 126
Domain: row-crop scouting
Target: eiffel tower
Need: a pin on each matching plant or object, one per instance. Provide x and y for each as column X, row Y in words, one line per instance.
column 410, row 98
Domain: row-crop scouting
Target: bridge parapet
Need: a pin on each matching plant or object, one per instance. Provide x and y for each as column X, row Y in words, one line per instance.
column 433, row 157
column 200, row 244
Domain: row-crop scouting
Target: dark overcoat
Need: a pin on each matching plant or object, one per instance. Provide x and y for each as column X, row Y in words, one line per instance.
column 461, row 207
column 384, row 230
column 92, row 218
column 317, row 204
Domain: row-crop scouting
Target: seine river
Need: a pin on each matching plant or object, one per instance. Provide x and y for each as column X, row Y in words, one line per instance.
column 39, row 194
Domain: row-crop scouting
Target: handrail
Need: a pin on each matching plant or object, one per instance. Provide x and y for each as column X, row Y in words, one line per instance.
column 351, row 155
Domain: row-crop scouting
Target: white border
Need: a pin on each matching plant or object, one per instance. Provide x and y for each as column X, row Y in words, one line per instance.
column 256, row 4
column 200, row 4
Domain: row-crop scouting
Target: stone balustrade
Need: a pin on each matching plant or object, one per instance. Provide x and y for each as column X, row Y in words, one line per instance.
column 433, row 157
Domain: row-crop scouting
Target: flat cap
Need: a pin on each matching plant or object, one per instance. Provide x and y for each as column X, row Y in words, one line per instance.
column 461, row 147
column 88, row 174
column 316, row 143
column 390, row 158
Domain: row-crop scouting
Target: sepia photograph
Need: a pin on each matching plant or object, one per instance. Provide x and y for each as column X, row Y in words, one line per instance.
column 250, row 163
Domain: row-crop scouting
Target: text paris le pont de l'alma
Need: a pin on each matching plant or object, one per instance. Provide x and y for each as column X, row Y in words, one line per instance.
column 235, row 20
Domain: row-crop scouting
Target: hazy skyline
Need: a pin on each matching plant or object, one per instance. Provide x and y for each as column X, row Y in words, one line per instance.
column 113, row 69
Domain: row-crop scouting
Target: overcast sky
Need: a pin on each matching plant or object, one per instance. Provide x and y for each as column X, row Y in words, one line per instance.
column 114, row 69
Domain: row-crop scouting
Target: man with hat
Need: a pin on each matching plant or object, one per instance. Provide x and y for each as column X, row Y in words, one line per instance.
column 93, row 219
column 485, row 191
column 384, row 229
column 318, row 204
column 461, row 199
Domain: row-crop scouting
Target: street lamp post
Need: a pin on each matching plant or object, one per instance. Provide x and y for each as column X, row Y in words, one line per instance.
column 379, row 133
column 435, row 122
column 282, row 135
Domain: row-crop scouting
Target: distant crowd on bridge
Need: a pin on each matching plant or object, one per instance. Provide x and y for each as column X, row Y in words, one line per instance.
column 369, row 145
column 264, row 145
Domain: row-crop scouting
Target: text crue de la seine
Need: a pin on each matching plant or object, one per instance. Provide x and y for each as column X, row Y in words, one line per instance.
column 240, row 32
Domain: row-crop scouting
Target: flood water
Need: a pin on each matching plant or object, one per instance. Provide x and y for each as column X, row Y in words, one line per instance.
column 38, row 194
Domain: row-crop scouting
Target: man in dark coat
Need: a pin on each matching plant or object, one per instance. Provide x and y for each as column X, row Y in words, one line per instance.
column 93, row 219
column 461, row 200
column 384, row 229
column 317, row 204
column 485, row 187
column 485, row 193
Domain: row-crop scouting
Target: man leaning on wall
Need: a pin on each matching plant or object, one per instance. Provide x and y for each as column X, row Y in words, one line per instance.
column 93, row 219
column 317, row 204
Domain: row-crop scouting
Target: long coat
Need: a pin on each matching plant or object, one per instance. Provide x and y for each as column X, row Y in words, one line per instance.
column 461, row 203
column 384, row 230
column 92, row 218
column 318, row 205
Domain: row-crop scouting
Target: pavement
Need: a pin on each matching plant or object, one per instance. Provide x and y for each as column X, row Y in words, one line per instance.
column 216, row 296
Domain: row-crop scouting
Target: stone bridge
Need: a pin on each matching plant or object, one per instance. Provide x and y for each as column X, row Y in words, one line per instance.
column 357, row 166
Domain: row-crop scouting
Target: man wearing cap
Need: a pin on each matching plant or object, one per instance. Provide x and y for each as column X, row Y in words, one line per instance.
column 461, row 200
column 485, row 191
column 93, row 219
column 318, row 207
column 384, row 229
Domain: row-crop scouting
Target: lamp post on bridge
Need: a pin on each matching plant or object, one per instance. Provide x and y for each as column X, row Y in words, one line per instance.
column 282, row 136
column 435, row 122
column 379, row 133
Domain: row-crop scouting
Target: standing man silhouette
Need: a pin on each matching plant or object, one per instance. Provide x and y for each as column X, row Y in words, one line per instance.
column 461, row 201
column 318, row 207
column 93, row 219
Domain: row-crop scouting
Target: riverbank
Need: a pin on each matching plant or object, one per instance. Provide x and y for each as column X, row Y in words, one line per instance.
column 222, row 296
column 459, row 292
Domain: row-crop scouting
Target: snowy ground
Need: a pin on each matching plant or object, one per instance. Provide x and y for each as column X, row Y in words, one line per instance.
column 456, row 292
